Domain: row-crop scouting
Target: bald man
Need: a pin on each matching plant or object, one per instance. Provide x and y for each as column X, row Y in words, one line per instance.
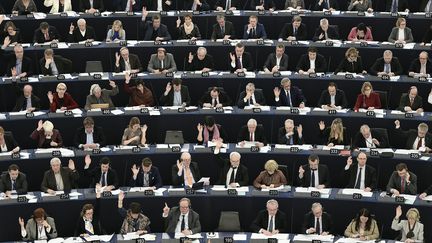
column 185, row 172
column 82, row 33
column 232, row 174
column 200, row 61
column 421, row 66
column 27, row 100
column 411, row 101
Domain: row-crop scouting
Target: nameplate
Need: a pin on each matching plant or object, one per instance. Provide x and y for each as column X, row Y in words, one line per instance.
column 68, row 113
column 63, row 14
column 136, row 149
column 357, row 196
column 15, row 155
column 64, row 196
column 273, row 192
column 260, row 42
column 181, row 110
column 219, row 110
column 163, row 13
column 241, row 74
column 414, row 156
column 123, row 43
column 53, row 45
column 232, row 192
column 29, row 115
column 327, row 13
column 196, row 12
column 276, row 74
column 294, row 149
column 272, row 240
column 157, row 42
column 97, row 14
column 329, row 43
column 60, row 77
column 23, row 79
column 30, row 15
column 294, row 111
column 190, row 191
column 315, row 194
column 294, row 12
column 133, row 75
column 228, row 12
column 349, row 76
column 148, row 193
column 254, row 149
column 364, row 44
column 176, row 149
column 294, row 43
column 226, row 42
column 313, row 75
column 144, row 110
column 399, row 45
column 169, row 74
column 184, row 75
column 422, row 79
column 106, row 111
column 97, row 76
column 192, row 42
column 56, row 153
column 256, row 110
column 316, row 241
column 228, row 240
column 22, row 199
column 374, row 152
column 205, row 74
column 106, row 194
column 96, row 151
column 88, row 44
column 130, row 13
column 334, row 151
column 385, row 77
column 370, row 113
column 140, row 240
column 361, row 13
column 332, row 112
column 399, row 199
column 409, row 115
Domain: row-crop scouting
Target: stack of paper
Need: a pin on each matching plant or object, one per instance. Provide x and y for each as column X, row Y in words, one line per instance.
column 276, row 236
column 327, row 238
column 349, row 191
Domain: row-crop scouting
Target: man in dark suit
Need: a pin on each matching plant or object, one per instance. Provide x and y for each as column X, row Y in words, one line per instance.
column 396, row 5
column 325, row 32
column 360, row 175
column 181, row 219
column 175, row 96
column 59, row 178
column 228, row 5
column 387, row 64
column 154, row 29
column 317, row 221
column 417, row 140
column 127, row 62
column 128, row 5
column 262, row 5
column 103, row 174
column 411, row 101
column 241, row 61
column 421, row 66
column 369, row 138
column 288, row 95
column 251, row 96
column 45, row 33
column 294, row 31
column 196, row 5
column 87, row 6
column 200, row 61
column 270, row 221
column 185, row 172
column 276, row 62
column 312, row 62
column 332, row 98
column 166, row 5
column 27, row 100
column 314, row 174
column 13, row 181
column 232, row 174
column 321, row 5
column 19, row 65
column 289, row 134
column 89, row 136
column 252, row 132
column 146, row 175
column 223, row 29
column 254, row 30
column 8, row 142
column 402, row 181
column 82, row 33
column 215, row 98
column 52, row 64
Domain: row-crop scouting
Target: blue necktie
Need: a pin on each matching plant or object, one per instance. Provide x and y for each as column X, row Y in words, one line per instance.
column 13, row 185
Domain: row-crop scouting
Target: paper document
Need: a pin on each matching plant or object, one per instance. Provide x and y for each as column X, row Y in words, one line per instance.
column 350, row 191
column 276, row 236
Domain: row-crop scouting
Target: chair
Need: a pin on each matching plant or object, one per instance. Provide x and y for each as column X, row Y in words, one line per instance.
column 174, row 137
column 383, row 98
column 67, row 65
column 93, row 66
column 229, row 221
column 284, row 169
column 384, row 134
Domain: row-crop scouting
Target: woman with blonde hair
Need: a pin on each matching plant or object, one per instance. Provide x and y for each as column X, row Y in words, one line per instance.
column 61, row 100
column 401, row 33
column 352, row 63
column 411, row 229
column 134, row 134
column 58, row 6
column 271, row 177
column 116, row 33
column 46, row 136
column 367, row 99
column 335, row 134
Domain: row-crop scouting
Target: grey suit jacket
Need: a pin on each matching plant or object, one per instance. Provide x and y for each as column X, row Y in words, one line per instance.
column 32, row 231
column 105, row 98
column 395, row 183
column 404, row 228
column 174, row 216
column 394, row 35
column 155, row 64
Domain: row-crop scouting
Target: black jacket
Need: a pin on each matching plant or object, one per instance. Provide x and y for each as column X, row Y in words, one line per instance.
column 20, row 183
column 69, row 179
column 81, row 136
column 26, row 66
column 296, row 95
column 97, row 4
column 76, row 36
column 162, row 31
column 155, row 178
column 352, row 67
column 97, row 228
column 323, row 176
column 395, row 183
column 261, row 221
column 288, row 30
column 331, row 34
column 405, row 101
column 39, row 37
column 325, row 137
column 21, row 102
column 224, row 99
column 333, row 4
column 259, row 98
column 10, row 141
column 217, row 31
column 415, row 66
column 259, row 134
column 411, row 135
column 134, row 63
column 402, row 5
column 63, row 65
column 179, row 180
column 350, row 176
column 271, row 62
column 309, row 222
column 198, row 65
column 241, row 176
column 320, row 63
column 169, row 99
column 360, row 142
column 96, row 174
column 247, row 62
column 340, row 98
column 378, row 66
column 282, row 139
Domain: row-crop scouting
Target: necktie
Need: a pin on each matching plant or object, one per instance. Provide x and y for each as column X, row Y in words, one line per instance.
column 290, row 140
column 232, row 178
column 130, row 5
column 394, row 7
column 251, row 137
column 318, row 227
column 146, row 180
column 228, row 4
column 238, row 63
column 183, row 223
column 253, row 33
column 214, row 102
column 386, row 67
column 161, row 64
column 103, row 179
column 188, row 177
column 402, row 185
column 313, row 178
column 28, row 103
column 288, row 97
column 411, row 102
column 13, row 185
column 295, row 32
column 420, row 143
column 194, row 6
column 270, row 227
column 357, row 185
column 46, row 36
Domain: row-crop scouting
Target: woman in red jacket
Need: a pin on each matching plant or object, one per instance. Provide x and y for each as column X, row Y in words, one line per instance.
column 367, row 99
column 61, row 100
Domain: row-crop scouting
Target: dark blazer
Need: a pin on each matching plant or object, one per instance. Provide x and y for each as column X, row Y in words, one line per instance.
column 238, row 4
column 259, row 134
column 247, row 62
column 288, row 30
column 69, row 179
column 155, row 178
column 241, row 177
column 352, row 67
column 174, row 216
column 39, row 37
column 402, row 5
column 360, row 142
column 405, row 101
column 271, row 62
column 134, row 63
column 296, row 94
column 169, row 99
column 259, row 98
column 77, row 37
column 179, row 180
column 320, row 63
column 40, row 138
column 415, row 66
column 197, row 65
column 411, row 135
column 152, row 5
column 162, row 31
column 96, row 173
column 309, row 222
column 187, row 5
column 80, row 226
column 10, row 141
column 395, row 183
column 217, row 31
column 21, row 100
column 282, row 139
column 63, row 65
column 323, row 176
column 97, row 4
column 261, row 221
column 224, row 99
column 194, row 33
column 267, row 4
column 332, row 33
column 325, row 134
column 340, row 98
column 350, row 176
column 333, row 4
column 427, row 38
column 26, row 66
column 378, row 66
column 81, row 136
column 428, row 191
column 260, row 32
column 20, row 183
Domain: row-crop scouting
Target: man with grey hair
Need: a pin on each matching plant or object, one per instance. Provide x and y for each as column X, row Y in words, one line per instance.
column 52, row 64
column 270, row 221
column 232, row 174
column 251, row 96
column 252, row 132
column 421, row 66
column 27, row 101
column 369, row 138
column 317, row 222
column 200, row 61
column 386, row 65
column 19, row 65
column 82, row 33
column 101, row 98
column 289, row 134
column 185, row 172
column 288, row 95
column 325, row 32
column 419, row 139
column 59, row 178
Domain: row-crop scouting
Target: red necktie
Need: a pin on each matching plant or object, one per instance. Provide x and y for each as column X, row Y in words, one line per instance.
column 130, row 5
column 46, row 36
column 402, row 185
column 420, row 143
column 251, row 137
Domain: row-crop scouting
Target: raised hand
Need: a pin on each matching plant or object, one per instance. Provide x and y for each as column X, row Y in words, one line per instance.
column 300, row 129
column 200, row 127
column 121, row 196
column 349, row 161
column 21, row 222
column 112, row 83
column 190, row 57
column 397, row 124
column 179, row 165
column 168, row 87
column 144, row 12
column 50, row 96
column 117, row 57
column 7, row 41
column 39, row 127
column 71, row 165
column 135, row 170
column 321, row 125
column 13, row 72
column 276, row 91
column 178, row 22
column 166, row 209
column 87, row 160
column 71, row 28
column 301, row 170
column 144, row 128
column 398, row 211
column 232, row 56
column 127, row 78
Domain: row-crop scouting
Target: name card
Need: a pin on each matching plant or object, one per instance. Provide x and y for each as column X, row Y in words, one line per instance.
column 254, row 149
column 294, row 43
column 364, row 44
column 361, row 13
column 148, row 193
column 399, row 45
column 332, row 112
column 260, row 42
column 176, row 149
column 349, row 76
column 64, row 196
column 190, row 191
column 261, row 12
column 22, row 199
column 56, row 153
column 106, row 194
column 294, row 12
column 256, row 110
column 294, row 149
column 68, row 113
column 273, row 193
column 414, row 156
column 373, row 152
column 327, row 13
column 88, row 44
column 181, row 110
column 219, row 110
column 409, row 115
column 123, row 43
column 329, row 43
column 53, row 45
column 15, row 156
column 241, row 74
column 29, row 115
column 294, row 111
column 205, row 74
column 157, row 42
column 169, row 74
column 23, row 79
column 313, row 75
column 96, row 151
column 276, row 74
column 226, row 42
column 228, row 12
column 228, row 240
column 334, row 151
column 106, row 111
column 97, row 14
column 63, row 14
column 315, row 194
column 144, row 110
column 370, row 113
column 136, row 149
column 130, row 13
column 422, row 79
column 232, row 192
column 192, row 42
column 357, row 196
column 163, row 13
column 60, row 77
column 399, row 199
column 385, row 77
column 97, row 76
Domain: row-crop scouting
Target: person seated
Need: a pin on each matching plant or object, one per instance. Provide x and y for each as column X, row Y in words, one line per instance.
column 59, row 178
column 417, row 140
column 52, row 64
column 294, row 31
column 46, row 33
column 386, row 65
column 317, row 221
column 116, row 33
column 161, row 62
column 427, row 38
column 134, row 134
column 277, row 61
column 26, row 101
column 232, row 173
column 89, row 136
column 363, row 227
column 134, row 221
column 421, row 66
column 254, row 30
column 188, row 30
column 402, row 181
column 196, row 5
column 322, row 5
column 426, row 193
column 23, row 7
column 61, row 100
column 89, row 221
column 369, row 138
column 200, row 61
column 252, row 133
column 289, row 134
column 231, row 5
column 332, row 98
column 210, row 131
column 147, row 175
column 352, row 63
column 46, row 136
column 401, row 33
column 215, row 98
column 360, row 33
column 288, row 95
column 91, row 6
column 140, row 95
column 360, row 6
column 127, row 6
column 313, row 174
column 223, row 29
column 127, row 62
column 411, row 101
column 271, row 177
column 411, row 230
column 325, row 32
column 367, row 99
column 241, row 61
column 154, row 29
column 13, row 182
column 175, row 219
column 175, row 96
column 39, row 227
column 360, row 176
column 270, row 221
column 294, row 4
column 336, row 134
column 425, row 6
column 251, row 97
column 19, row 65
column 396, row 6
column 8, row 142
column 185, row 172
column 10, row 35
column 101, row 174
column 164, row 5
column 58, row 6
column 101, row 98
column 82, row 33
column 262, row 5
column 312, row 62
